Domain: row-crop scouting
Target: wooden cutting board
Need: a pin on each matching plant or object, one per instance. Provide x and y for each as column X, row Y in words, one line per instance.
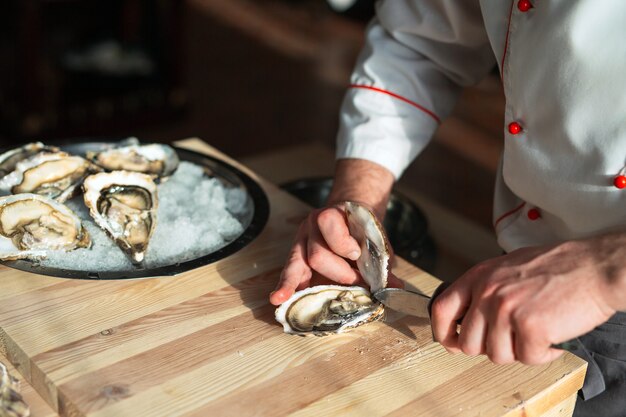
column 205, row 343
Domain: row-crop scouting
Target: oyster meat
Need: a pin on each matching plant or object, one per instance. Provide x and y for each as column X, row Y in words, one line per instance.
column 52, row 174
column 124, row 204
column 155, row 159
column 31, row 224
column 10, row 159
column 11, row 402
column 327, row 309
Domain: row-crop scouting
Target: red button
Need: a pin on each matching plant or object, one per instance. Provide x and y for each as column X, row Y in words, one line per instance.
column 533, row 214
column 620, row 181
column 524, row 5
column 515, row 128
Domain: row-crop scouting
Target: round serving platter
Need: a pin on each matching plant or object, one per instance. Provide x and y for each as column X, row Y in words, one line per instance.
column 253, row 221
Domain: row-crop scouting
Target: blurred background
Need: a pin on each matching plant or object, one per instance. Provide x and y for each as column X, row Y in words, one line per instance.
column 249, row 77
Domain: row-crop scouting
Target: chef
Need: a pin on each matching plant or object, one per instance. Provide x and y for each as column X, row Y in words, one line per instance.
column 560, row 197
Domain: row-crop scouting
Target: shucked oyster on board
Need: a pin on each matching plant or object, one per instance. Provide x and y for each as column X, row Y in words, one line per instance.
column 326, row 309
column 31, row 224
column 11, row 402
column 52, row 174
column 124, row 204
column 156, row 159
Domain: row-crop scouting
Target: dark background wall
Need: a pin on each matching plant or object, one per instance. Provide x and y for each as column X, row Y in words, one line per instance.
column 246, row 76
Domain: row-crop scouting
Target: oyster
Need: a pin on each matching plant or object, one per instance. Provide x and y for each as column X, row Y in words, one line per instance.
column 154, row 159
column 52, row 174
column 373, row 264
column 11, row 402
column 31, row 224
column 9, row 159
column 124, row 204
column 326, row 309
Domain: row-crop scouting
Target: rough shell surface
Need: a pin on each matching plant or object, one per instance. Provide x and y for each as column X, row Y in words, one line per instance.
column 155, row 159
column 31, row 225
column 328, row 309
column 10, row 159
column 53, row 174
column 373, row 264
column 124, row 204
column 11, row 401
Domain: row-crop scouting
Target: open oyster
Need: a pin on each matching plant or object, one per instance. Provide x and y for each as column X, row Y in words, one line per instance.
column 327, row 309
column 124, row 204
column 31, row 224
column 52, row 174
column 10, row 159
column 11, row 402
column 154, row 159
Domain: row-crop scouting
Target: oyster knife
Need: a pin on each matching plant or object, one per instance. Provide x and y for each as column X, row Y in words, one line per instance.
column 404, row 301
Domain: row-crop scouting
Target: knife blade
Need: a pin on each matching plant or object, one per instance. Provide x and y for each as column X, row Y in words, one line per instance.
column 419, row 305
column 405, row 301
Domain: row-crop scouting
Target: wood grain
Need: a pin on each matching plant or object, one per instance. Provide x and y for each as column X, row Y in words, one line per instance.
column 206, row 343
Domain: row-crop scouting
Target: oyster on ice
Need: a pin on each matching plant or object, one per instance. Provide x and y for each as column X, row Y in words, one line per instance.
column 52, row 174
column 31, row 224
column 155, row 159
column 327, row 309
column 10, row 159
column 124, row 204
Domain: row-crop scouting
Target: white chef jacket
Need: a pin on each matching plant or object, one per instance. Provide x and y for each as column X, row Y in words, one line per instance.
column 563, row 67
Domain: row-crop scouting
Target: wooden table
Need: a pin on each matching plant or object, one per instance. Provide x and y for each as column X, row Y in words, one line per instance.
column 205, row 343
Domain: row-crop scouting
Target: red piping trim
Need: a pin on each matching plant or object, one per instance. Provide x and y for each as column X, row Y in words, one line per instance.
column 508, row 213
column 406, row 100
column 506, row 40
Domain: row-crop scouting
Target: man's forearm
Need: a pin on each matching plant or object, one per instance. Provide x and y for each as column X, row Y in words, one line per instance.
column 609, row 254
column 362, row 181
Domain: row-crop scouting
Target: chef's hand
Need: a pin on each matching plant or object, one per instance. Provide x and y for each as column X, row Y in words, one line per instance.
column 323, row 245
column 514, row 307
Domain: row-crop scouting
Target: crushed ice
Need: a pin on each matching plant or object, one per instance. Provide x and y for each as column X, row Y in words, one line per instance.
column 197, row 215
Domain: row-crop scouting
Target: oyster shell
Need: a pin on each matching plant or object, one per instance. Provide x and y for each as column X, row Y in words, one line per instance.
column 10, row 159
column 124, row 204
column 11, row 402
column 155, row 159
column 31, row 224
column 326, row 309
column 52, row 174
column 373, row 264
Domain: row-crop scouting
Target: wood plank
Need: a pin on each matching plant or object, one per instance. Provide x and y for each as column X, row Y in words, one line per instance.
column 501, row 391
column 563, row 409
column 206, row 343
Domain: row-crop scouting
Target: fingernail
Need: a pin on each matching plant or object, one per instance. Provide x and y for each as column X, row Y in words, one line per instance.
column 354, row 255
column 272, row 293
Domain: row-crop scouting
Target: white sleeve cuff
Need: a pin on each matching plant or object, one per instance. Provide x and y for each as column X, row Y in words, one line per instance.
column 393, row 138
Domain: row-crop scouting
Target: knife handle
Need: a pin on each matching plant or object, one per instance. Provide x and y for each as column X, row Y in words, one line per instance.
column 569, row 345
column 440, row 289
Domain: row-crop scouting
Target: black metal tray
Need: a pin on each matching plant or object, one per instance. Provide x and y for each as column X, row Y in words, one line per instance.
column 253, row 223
